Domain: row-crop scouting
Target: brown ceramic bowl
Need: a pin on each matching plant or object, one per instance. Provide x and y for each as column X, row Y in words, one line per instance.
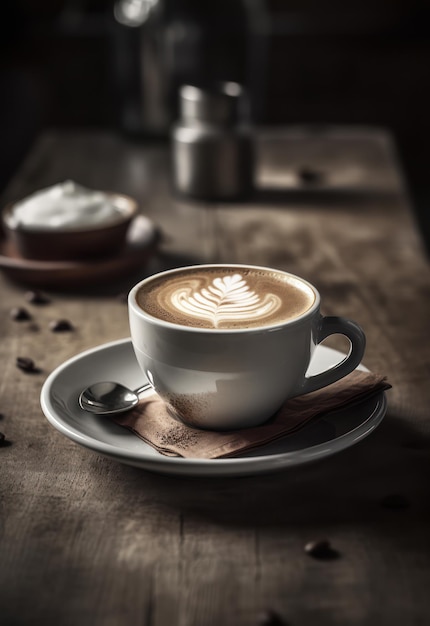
column 87, row 242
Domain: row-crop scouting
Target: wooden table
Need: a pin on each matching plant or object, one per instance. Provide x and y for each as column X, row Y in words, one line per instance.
column 90, row 541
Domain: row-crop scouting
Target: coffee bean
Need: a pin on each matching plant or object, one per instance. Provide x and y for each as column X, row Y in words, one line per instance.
column 309, row 176
column 36, row 297
column 395, row 501
column 321, row 549
column 60, row 326
column 270, row 618
column 19, row 314
column 3, row 441
column 26, row 364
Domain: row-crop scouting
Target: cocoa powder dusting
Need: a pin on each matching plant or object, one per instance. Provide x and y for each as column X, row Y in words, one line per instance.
column 178, row 436
column 193, row 407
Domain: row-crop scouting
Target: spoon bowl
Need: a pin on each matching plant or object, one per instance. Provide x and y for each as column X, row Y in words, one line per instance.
column 109, row 398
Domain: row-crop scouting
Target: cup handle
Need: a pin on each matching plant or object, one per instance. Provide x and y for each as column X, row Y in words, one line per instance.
column 331, row 325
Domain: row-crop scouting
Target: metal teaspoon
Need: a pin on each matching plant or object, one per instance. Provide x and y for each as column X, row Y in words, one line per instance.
column 108, row 398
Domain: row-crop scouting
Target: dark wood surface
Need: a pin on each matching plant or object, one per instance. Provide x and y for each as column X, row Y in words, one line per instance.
column 89, row 541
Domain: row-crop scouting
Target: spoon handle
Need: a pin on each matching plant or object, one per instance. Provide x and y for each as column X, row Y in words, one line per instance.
column 143, row 388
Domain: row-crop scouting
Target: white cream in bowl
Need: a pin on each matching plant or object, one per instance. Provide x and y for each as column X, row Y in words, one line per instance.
column 66, row 206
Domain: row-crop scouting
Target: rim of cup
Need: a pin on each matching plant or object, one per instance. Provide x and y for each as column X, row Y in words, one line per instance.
column 132, row 302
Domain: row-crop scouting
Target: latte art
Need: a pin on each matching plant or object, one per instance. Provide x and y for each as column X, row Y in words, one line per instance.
column 227, row 299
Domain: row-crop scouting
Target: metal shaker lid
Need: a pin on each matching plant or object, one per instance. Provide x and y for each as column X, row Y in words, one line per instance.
column 217, row 103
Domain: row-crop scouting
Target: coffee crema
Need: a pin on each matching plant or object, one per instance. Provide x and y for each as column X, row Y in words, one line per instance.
column 223, row 297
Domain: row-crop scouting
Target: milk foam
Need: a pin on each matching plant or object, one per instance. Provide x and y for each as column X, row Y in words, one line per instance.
column 227, row 298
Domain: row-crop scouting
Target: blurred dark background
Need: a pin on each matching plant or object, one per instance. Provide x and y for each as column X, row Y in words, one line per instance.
column 118, row 65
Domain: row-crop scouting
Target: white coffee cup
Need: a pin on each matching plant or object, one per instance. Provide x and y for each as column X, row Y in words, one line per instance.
column 234, row 377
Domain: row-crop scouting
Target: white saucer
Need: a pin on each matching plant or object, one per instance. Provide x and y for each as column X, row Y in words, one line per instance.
column 116, row 361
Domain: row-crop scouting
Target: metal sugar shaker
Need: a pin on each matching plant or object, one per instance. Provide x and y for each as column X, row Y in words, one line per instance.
column 212, row 146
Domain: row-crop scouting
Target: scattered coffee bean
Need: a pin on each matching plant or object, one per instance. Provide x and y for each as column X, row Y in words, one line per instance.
column 270, row 618
column 36, row 297
column 26, row 364
column 60, row 326
column 321, row 549
column 1, row 416
column 395, row 501
column 19, row 314
column 4, row 443
column 309, row 176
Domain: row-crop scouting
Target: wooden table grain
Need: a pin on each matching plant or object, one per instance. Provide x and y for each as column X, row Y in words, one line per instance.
column 89, row 541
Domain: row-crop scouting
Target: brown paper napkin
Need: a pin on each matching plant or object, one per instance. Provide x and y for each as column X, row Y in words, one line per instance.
column 151, row 421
